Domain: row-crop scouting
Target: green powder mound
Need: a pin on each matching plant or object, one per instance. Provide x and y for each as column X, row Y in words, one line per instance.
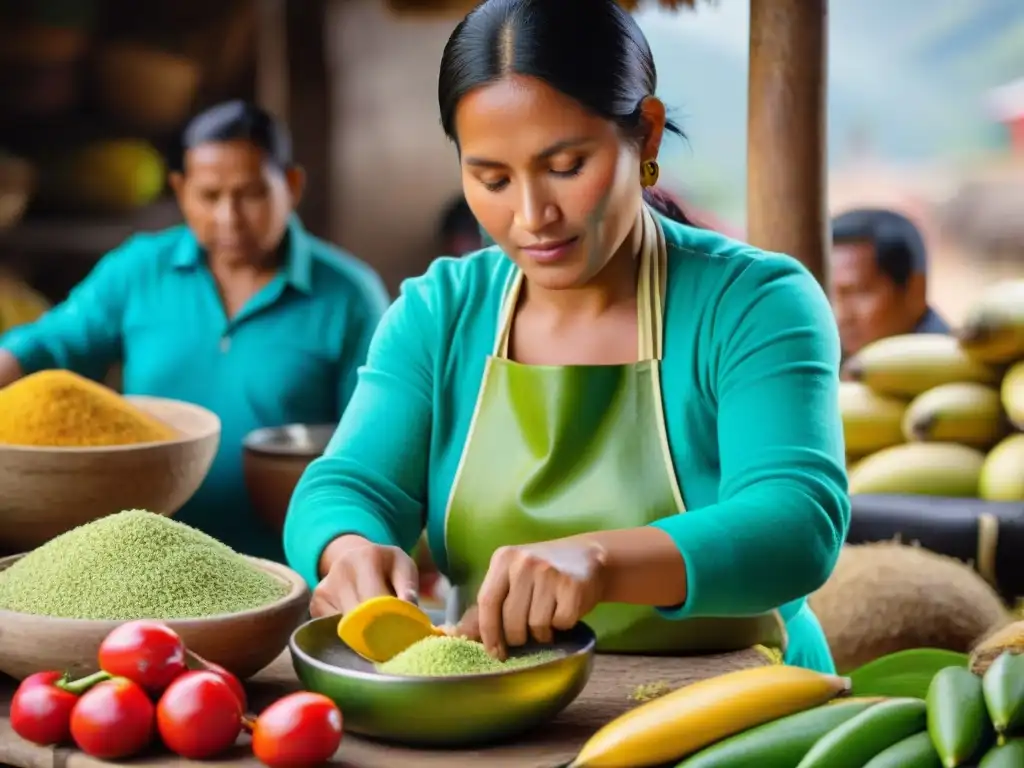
column 454, row 656
column 135, row 565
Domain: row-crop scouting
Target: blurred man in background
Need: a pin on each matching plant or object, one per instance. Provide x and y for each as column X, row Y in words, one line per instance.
column 879, row 278
column 240, row 310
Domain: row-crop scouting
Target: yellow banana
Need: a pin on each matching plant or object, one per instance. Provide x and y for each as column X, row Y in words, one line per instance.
column 927, row 469
column 907, row 365
column 958, row 412
column 1001, row 478
column 993, row 329
column 1012, row 394
column 871, row 421
column 691, row 718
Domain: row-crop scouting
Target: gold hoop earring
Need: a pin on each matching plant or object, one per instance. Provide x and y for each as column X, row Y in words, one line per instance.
column 649, row 172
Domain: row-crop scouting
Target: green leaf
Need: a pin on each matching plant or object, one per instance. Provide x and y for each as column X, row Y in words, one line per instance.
column 906, row 673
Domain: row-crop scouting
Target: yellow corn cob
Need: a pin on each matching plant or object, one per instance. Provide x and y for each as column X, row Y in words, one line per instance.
column 691, row 718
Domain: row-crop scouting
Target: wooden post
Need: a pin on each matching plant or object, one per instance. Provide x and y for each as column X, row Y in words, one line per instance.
column 309, row 107
column 293, row 83
column 272, row 58
column 787, row 162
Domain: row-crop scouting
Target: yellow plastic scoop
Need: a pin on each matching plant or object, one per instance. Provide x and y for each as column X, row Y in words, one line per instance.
column 381, row 628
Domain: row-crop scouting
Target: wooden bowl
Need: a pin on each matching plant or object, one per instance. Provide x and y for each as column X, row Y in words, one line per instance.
column 243, row 643
column 45, row 492
column 274, row 459
column 146, row 87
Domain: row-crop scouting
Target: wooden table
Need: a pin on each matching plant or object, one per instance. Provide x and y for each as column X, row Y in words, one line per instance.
column 606, row 696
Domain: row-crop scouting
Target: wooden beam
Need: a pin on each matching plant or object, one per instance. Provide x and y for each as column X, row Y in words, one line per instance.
column 272, row 58
column 787, row 167
column 293, row 83
column 309, row 107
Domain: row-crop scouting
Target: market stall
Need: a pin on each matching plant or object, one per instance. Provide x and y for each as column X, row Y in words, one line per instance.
column 787, row 212
column 933, row 438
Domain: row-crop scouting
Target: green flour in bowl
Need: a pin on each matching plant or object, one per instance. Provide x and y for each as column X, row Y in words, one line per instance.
column 455, row 656
column 135, row 565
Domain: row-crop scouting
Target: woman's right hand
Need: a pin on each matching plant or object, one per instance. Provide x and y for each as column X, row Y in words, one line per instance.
column 357, row 570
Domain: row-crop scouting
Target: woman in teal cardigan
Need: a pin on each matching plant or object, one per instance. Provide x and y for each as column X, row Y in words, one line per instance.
column 609, row 416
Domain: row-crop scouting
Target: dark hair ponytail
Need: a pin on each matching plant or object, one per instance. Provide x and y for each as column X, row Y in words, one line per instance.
column 667, row 206
column 591, row 50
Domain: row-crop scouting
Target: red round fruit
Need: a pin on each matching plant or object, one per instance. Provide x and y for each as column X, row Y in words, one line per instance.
column 199, row 716
column 231, row 680
column 40, row 711
column 40, row 678
column 146, row 652
column 303, row 729
column 113, row 720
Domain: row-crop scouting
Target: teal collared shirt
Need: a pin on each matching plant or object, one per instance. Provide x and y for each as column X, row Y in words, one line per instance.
column 290, row 355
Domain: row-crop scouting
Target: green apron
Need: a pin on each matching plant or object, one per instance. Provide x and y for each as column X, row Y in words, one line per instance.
column 557, row 451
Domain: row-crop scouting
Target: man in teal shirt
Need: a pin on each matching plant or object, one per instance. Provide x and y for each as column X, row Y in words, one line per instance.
column 241, row 311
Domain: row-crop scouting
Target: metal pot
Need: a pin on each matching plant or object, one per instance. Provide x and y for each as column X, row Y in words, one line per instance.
column 273, row 460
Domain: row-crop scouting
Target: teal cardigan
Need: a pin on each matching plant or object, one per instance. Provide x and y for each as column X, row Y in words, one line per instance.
column 750, row 385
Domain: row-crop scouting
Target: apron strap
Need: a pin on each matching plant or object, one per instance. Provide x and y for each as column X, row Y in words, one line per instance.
column 506, row 313
column 650, row 294
column 651, row 286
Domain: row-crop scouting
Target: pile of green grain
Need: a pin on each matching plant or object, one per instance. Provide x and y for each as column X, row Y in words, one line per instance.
column 455, row 656
column 135, row 565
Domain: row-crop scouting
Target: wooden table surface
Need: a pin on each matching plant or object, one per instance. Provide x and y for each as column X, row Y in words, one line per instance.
column 606, row 696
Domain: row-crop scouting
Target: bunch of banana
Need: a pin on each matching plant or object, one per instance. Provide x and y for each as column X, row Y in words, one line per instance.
column 942, row 415
column 787, row 717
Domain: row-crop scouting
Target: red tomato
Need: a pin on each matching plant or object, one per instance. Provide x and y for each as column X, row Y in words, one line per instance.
column 234, row 682
column 146, row 652
column 230, row 679
column 40, row 678
column 199, row 716
column 40, row 711
column 303, row 729
column 113, row 719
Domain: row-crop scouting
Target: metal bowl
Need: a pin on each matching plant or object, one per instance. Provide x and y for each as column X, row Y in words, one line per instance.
column 440, row 711
column 303, row 441
column 273, row 460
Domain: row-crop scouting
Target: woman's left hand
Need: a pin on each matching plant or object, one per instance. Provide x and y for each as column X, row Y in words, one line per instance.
column 533, row 590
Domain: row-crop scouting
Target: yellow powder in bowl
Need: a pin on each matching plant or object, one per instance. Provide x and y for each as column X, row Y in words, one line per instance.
column 61, row 409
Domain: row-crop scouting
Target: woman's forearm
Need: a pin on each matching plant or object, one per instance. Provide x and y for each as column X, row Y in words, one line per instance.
column 10, row 368
column 642, row 566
